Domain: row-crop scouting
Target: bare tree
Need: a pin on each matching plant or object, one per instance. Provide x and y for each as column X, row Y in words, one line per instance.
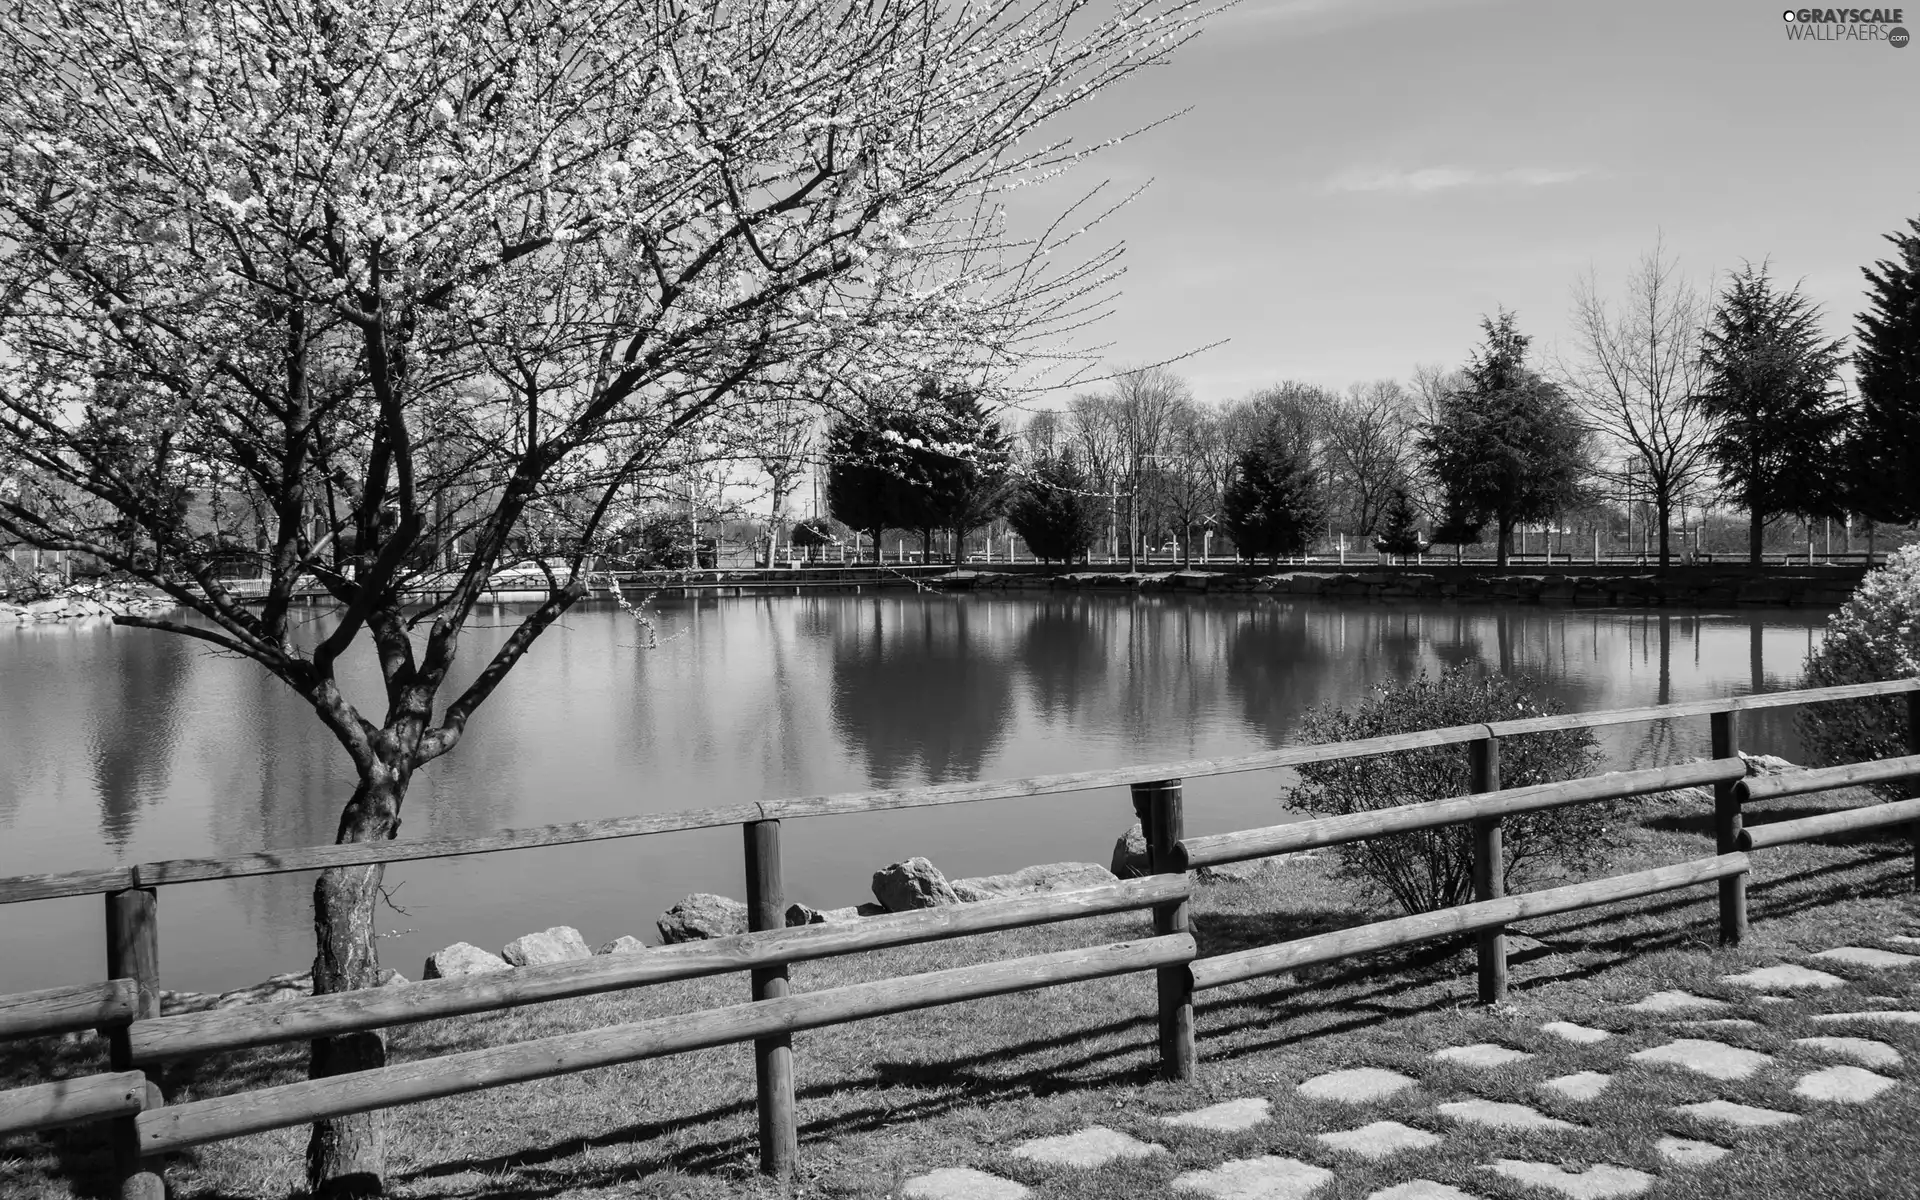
column 1096, row 437
column 1638, row 373
column 779, row 440
column 1145, row 400
column 1369, row 440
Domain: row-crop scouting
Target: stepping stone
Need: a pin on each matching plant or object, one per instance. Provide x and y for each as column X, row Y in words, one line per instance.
column 1229, row 1116
column 1496, row 1114
column 1842, row 1085
column 1861, row 956
column 1685, row 1152
column 1581, row 1085
column 1265, row 1178
column 1482, row 1054
column 1094, row 1146
column 1895, row 1016
column 1866, row 1050
column 1784, row 977
column 1578, row 1034
column 1595, row 1183
column 1717, row 1059
column 1745, row 1116
column 1665, row 1002
column 962, row 1183
column 1421, row 1189
column 1903, row 939
column 1358, row 1085
column 1382, row 1139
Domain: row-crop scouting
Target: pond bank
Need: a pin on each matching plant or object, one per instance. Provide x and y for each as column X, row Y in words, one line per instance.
column 1694, row 587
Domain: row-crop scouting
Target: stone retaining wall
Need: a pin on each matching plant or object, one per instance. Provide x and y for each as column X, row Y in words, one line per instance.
column 1612, row 589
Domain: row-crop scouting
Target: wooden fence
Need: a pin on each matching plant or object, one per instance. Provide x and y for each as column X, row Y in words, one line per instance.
column 126, row 1006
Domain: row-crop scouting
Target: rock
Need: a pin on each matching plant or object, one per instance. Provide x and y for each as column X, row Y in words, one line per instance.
column 702, row 915
column 800, row 914
column 626, row 943
column 1130, row 854
column 462, row 958
column 562, row 943
column 915, row 883
column 1767, row 764
column 1028, row 881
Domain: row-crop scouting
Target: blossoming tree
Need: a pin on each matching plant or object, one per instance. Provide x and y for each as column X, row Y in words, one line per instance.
column 429, row 275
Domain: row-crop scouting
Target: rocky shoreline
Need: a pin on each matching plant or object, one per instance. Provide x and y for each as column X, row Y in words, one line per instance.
column 1572, row 589
column 900, row 887
column 82, row 600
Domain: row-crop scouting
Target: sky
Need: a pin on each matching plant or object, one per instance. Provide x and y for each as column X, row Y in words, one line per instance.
column 1357, row 181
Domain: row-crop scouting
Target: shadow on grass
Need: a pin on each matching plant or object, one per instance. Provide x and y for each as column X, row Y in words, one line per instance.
column 965, row 1085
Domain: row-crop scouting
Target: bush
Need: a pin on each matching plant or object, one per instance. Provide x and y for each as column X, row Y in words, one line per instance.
column 1434, row 868
column 1875, row 636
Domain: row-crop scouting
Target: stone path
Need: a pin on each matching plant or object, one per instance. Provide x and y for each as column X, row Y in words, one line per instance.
column 1818, row 1091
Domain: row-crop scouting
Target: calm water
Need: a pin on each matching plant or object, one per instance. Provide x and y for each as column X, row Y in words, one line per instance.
column 120, row 746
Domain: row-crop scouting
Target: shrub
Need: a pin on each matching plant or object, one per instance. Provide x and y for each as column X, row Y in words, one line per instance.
column 1875, row 636
column 1434, row 868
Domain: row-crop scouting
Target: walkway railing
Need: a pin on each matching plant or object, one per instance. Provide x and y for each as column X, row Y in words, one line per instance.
column 126, row 1007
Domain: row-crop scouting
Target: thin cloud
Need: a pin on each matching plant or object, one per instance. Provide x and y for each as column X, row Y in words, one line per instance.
column 1439, row 179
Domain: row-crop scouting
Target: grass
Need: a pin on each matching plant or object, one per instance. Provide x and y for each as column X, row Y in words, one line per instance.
column 885, row 1099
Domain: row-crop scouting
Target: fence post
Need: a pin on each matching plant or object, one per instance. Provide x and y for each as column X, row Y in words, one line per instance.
column 1164, row 824
column 772, row 1056
column 1913, row 785
column 133, row 952
column 1489, row 873
column 1726, row 830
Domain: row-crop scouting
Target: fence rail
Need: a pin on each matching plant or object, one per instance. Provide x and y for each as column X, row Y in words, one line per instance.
column 127, row 1006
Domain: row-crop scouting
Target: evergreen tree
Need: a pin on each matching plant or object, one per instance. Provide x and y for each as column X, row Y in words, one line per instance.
column 1885, row 451
column 1052, row 511
column 1274, row 505
column 1508, row 446
column 1458, row 526
column 1401, row 533
column 864, row 484
column 1779, row 423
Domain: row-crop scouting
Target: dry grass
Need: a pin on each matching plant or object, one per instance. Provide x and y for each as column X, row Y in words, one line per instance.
column 889, row 1098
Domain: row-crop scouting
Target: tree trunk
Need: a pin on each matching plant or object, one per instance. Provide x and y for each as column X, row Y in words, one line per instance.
column 1756, row 533
column 1503, row 536
column 346, row 1156
column 1663, row 512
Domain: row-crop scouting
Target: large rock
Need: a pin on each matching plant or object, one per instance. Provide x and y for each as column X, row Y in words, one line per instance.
column 915, row 883
column 1047, row 877
column 1130, row 854
column 626, row 943
column 701, row 916
column 462, row 958
column 1768, row 764
column 562, row 943
column 803, row 914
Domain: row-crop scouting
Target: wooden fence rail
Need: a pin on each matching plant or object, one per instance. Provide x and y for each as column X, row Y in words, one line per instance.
column 65, row 1009
column 72, row 1101
column 183, row 1125
column 127, row 1007
column 1221, row 969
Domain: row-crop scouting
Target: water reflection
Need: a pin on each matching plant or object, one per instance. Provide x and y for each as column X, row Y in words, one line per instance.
column 920, row 690
column 122, row 745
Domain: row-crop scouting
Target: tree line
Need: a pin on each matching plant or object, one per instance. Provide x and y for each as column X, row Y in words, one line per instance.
column 1666, row 400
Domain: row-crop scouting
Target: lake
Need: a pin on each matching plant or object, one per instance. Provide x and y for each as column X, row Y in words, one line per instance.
column 121, row 746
